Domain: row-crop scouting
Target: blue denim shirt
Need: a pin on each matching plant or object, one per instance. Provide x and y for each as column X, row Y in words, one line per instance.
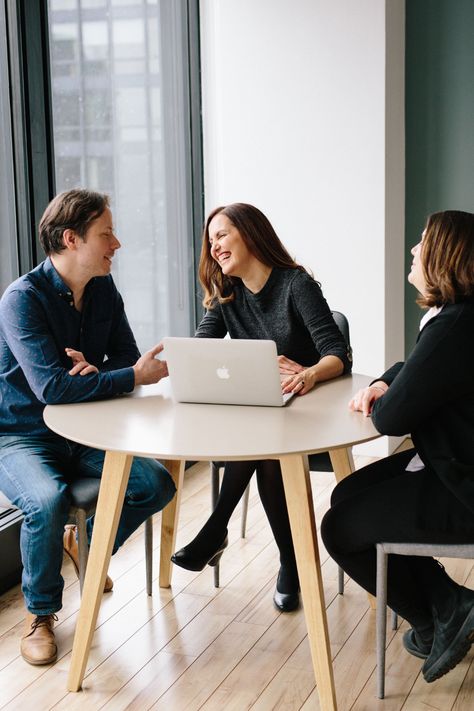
column 37, row 322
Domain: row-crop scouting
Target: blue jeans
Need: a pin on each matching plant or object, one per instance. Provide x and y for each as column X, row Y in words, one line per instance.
column 34, row 475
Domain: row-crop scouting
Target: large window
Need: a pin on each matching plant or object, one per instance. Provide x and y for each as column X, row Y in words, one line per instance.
column 104, row 94
column 8, row 242
column 120, row 97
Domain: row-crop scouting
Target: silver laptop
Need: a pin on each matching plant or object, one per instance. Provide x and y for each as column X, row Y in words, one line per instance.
column 224, row 371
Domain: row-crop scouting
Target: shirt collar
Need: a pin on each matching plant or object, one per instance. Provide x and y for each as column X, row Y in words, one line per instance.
column 56, row 282
column 433, row 311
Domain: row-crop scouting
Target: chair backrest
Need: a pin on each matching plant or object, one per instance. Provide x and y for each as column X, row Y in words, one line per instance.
column 343, row 325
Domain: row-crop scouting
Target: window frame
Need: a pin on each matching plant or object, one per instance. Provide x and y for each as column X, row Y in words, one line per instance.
column 30, row 96
column 29, row 66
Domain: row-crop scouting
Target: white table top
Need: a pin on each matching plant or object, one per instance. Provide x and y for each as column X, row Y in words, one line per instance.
column 149, row 423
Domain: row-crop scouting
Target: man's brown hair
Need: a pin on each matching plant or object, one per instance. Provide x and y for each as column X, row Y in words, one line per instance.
column 72, row 209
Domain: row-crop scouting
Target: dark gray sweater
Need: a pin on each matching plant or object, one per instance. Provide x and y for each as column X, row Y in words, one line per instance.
column 290, row 310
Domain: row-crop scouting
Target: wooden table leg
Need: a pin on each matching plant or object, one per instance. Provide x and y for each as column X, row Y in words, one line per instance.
column 297, row 484
column 342, row 462
column 169, row 521
column 109, row 507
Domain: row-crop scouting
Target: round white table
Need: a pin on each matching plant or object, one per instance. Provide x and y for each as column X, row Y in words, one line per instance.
column 150, row 424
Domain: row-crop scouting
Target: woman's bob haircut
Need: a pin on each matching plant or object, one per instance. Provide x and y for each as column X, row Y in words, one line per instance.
column 447, row 258
column 259, row 237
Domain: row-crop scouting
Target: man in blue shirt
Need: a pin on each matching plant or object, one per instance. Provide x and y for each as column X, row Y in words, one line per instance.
column 64, row 337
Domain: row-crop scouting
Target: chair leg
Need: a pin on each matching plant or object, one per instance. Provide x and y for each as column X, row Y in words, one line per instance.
column 394, row 620
column 149, row 554
column 214, row 495
column 214, row 484
column 340, row 580
column 83, row 548
column 245, row 508
column 381, row 619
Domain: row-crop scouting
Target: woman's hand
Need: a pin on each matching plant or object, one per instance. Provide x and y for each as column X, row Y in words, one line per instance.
column 288, row 366
column 80, row 365
column 301, row 383
column 304, row 379
column 364, row 399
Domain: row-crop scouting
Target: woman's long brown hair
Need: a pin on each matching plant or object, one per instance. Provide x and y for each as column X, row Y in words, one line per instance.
column 259, row 237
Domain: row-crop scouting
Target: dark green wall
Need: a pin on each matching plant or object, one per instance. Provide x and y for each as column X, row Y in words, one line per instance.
column 439, row 120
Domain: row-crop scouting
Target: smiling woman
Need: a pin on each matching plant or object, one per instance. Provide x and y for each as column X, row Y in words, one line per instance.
column 243, row 232
column 229, row 249
column 254, row 289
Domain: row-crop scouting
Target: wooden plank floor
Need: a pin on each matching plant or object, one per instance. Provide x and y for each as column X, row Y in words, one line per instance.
column 197, row 647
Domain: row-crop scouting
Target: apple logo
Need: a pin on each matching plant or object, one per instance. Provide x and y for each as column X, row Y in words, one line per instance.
column 223, row 373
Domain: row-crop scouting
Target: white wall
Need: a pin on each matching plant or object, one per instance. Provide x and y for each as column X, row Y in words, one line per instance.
column 303, row 106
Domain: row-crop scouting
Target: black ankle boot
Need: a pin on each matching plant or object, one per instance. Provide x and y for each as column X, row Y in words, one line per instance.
column 185, row 557
column 285, row 601
column 453, row 632
column 417, row 645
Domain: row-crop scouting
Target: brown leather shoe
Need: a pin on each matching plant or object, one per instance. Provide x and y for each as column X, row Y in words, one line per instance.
column 38, row 645
column 70, row 547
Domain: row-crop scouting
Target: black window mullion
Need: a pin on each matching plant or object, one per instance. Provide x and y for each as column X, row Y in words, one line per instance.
column 197, row 177
column 28, row 50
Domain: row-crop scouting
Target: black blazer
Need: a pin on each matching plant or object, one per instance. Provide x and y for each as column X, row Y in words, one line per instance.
column 431, row 396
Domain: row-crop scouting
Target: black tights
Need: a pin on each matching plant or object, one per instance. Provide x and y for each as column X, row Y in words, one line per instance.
column 385, row 503
column 236, row 478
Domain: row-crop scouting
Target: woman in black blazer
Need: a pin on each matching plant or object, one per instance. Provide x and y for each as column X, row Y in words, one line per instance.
column 426, row 494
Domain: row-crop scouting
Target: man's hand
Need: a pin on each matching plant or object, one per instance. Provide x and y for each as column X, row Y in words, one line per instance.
column 364, row 399
column 148, row 369
column 80, row 365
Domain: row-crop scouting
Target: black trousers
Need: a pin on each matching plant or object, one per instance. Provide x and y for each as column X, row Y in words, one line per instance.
column 383, row 502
